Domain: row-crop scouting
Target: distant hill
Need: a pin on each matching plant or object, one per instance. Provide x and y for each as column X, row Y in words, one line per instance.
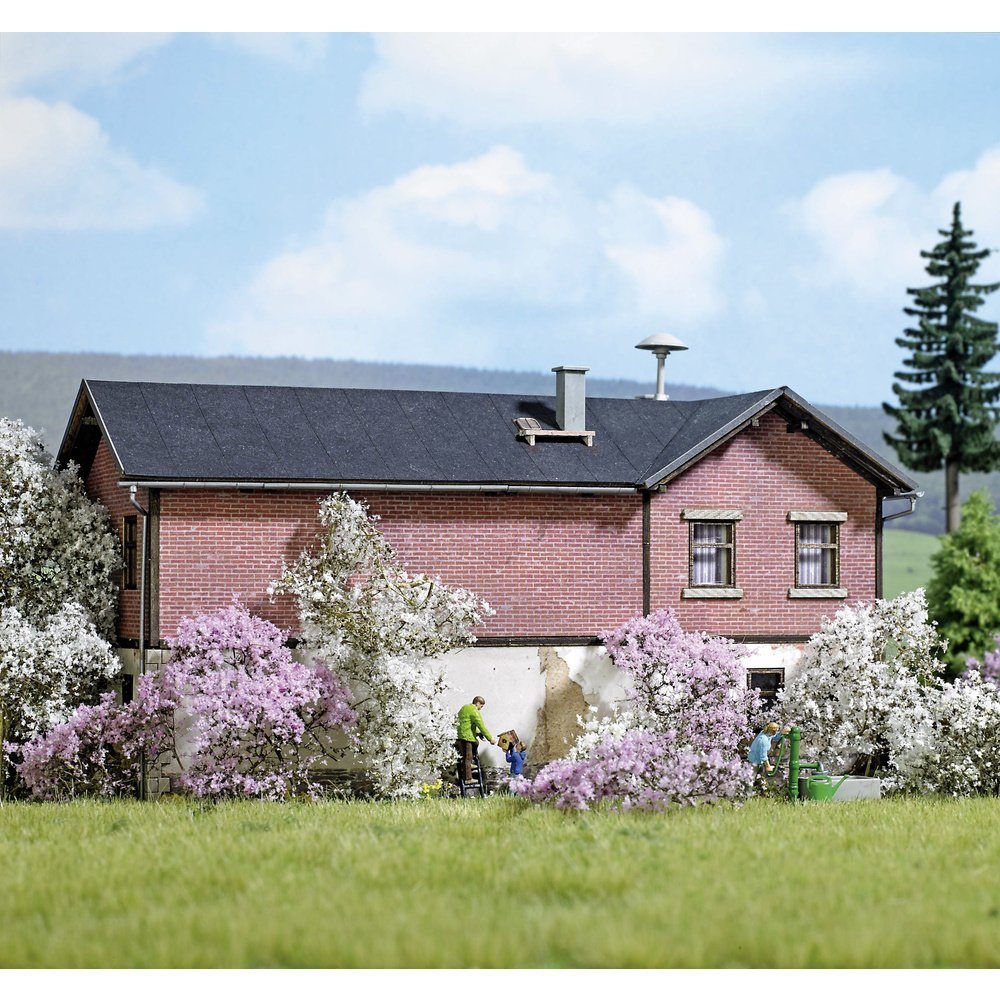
column 39, row 388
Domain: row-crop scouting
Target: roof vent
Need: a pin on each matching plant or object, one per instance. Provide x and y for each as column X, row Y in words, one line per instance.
column 661, row 344
column 571, row 409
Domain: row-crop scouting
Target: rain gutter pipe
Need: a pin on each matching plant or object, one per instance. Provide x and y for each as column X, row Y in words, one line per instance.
column 142, row 618
column 913, row 496
column 168, row 484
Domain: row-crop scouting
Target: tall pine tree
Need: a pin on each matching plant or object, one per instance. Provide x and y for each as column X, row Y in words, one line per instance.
column 949, row 419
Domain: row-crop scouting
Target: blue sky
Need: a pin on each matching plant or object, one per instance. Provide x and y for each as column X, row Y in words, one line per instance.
column 507, row 201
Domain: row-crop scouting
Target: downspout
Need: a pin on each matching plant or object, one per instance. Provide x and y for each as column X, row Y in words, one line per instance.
column 142, row 619
column 913, row 496
column 646, row 552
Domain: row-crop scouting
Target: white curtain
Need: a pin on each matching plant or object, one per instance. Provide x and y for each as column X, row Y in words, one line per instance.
column 815, row 564
column 711, row 563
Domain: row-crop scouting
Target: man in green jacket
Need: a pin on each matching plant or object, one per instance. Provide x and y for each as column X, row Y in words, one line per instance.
column 470, row 728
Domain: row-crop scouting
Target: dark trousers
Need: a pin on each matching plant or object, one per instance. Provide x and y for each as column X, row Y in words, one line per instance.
column 466, row 748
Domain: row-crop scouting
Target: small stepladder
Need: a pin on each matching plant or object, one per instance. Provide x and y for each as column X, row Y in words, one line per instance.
column 478, row 784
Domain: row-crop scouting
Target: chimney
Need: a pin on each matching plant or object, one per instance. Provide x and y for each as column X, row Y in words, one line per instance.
column 571, row 397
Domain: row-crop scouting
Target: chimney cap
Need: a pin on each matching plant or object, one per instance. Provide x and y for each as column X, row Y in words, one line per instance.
column 662, row 343
column 573, row 369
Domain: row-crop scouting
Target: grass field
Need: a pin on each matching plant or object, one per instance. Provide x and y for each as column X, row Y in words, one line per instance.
column 500, row 883
column 907, row 556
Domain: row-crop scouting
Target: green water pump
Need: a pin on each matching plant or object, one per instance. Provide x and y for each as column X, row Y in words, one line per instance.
column 819, row 787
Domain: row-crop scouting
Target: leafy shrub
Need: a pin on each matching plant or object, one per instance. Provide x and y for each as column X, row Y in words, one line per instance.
column 964, row 592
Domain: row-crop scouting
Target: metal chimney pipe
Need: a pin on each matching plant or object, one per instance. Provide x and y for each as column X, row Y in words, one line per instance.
column 571, row 397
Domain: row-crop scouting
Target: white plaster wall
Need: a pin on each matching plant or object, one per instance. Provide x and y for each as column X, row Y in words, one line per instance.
column 511, row 681
column 592, row 669
column 786, row 655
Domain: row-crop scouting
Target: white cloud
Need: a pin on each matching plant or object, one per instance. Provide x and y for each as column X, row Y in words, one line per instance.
column 620, row 79
column 868, row 227
column 76, row 60
column 300, row 50
column 59, row 170
column 482, row 255
column 670, row 251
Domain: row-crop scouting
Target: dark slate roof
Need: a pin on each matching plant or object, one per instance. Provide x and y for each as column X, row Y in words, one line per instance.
column 251, row 434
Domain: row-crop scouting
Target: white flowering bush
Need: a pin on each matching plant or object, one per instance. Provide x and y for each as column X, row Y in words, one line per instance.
column 863, row 694
column 381, row 628
column 56, row 545
column 46, row 670
column 962, row 756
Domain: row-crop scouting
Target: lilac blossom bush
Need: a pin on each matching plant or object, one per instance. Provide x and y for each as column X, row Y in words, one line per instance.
column 231, row 712
column 678, row 739
column 383, row 630
column 989, row 668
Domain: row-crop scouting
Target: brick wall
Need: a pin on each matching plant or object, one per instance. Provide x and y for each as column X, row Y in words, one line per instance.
column 548, row 564
column 765, row 472
column 102, row 485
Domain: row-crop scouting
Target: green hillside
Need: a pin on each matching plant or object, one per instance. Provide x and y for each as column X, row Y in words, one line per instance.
column 907, row 560
column 39, row 388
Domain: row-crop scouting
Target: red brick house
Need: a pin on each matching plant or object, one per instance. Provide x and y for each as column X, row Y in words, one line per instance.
column 752, row 516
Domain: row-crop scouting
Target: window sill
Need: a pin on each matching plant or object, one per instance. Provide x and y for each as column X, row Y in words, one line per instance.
column 818, row 592
column 713, row 593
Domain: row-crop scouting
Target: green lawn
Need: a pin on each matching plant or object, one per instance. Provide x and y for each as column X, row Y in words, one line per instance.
column 907, row 556
column 500, row 883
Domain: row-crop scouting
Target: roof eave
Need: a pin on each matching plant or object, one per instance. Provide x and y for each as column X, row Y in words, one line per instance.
column 892, row 476
column 72, row 432
column 717, row 437
column 876, row 466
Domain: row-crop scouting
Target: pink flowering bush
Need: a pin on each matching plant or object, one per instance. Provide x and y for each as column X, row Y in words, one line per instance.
column 257, row 721
column 98, row 750
column 640, row 770
column 688, row 682
column 80, row 756
column 989, row 669
column 231, row 711
column 680, row 738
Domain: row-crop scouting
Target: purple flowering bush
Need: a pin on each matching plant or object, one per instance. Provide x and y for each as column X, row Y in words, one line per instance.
column 678, row 740
column 989, row 669
column 232, row 712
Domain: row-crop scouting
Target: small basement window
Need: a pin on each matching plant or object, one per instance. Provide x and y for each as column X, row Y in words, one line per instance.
column 129, row 552
column 768, row 681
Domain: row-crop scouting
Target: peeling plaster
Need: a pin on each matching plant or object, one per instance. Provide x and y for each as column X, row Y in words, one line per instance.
column 557, row 728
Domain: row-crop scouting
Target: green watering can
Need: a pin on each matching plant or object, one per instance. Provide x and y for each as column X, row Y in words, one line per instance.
column 821, row 787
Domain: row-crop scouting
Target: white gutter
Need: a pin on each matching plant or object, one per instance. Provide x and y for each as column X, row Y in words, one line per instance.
column 169, row 484
column 912, row 495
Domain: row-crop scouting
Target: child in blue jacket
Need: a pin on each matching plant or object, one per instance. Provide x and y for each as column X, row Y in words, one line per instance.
column 515, row 757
